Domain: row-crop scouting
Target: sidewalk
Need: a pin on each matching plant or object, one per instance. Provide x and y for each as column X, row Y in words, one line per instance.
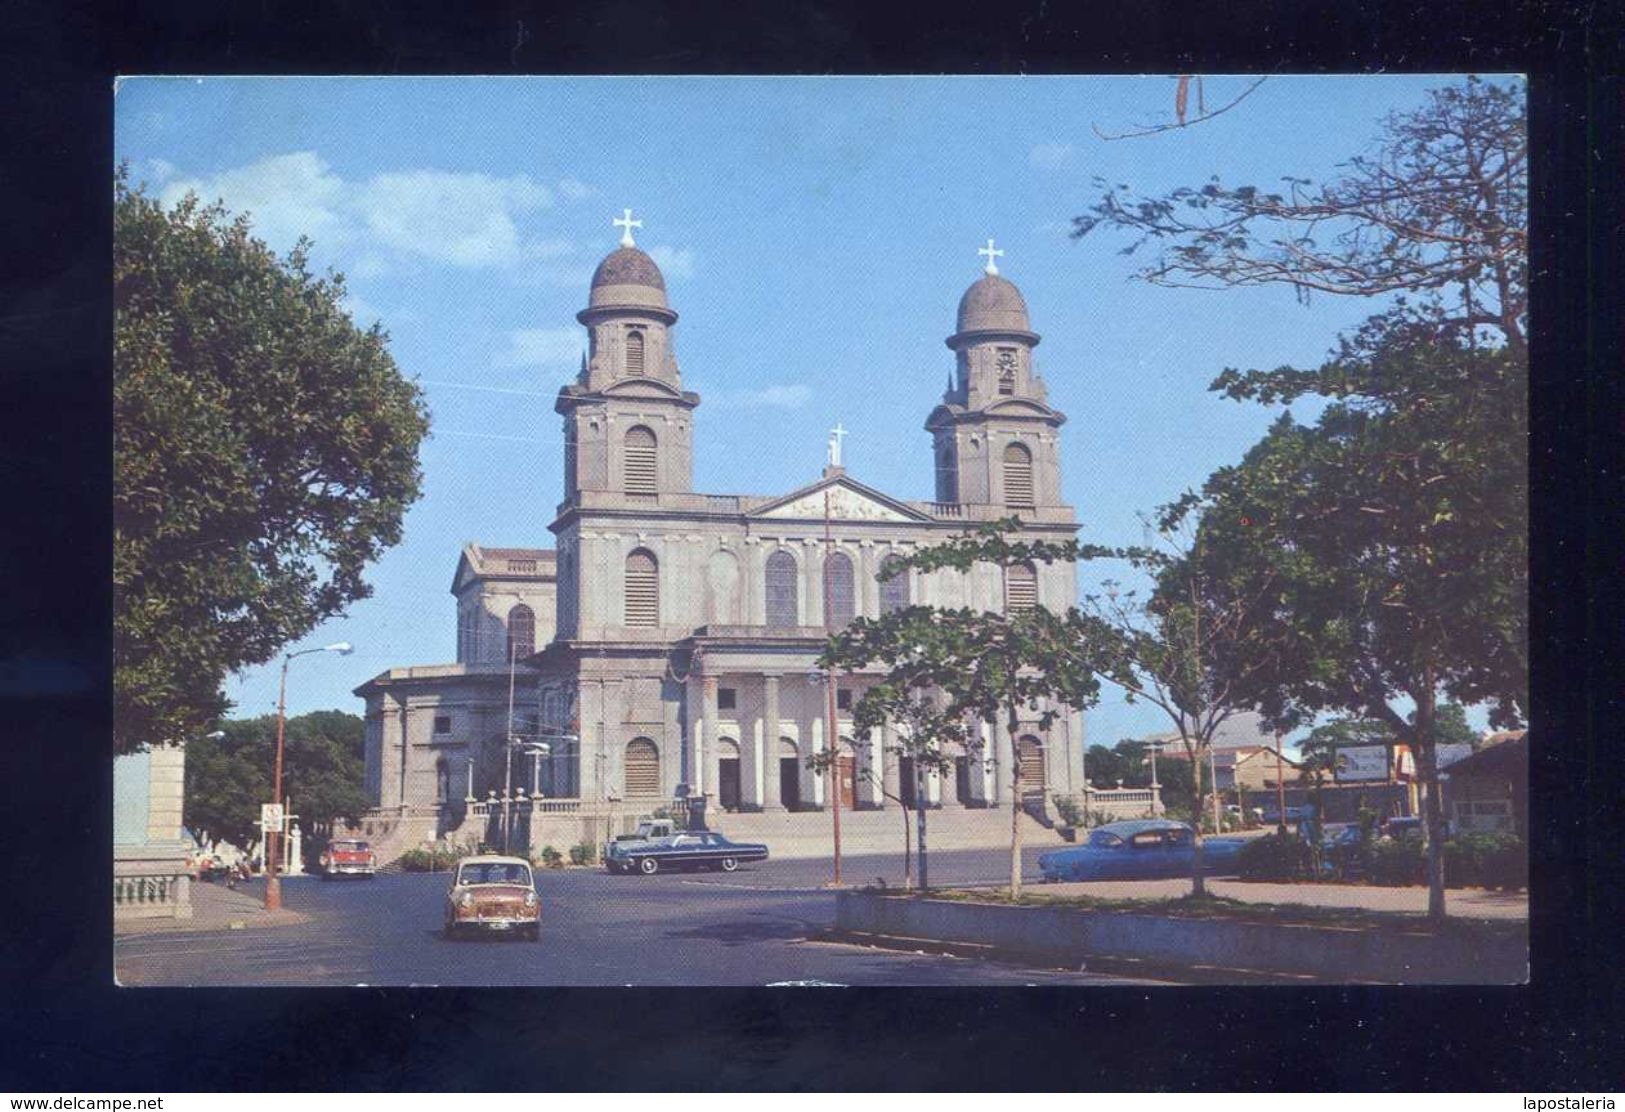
column 1461, row 903
column 218, row 908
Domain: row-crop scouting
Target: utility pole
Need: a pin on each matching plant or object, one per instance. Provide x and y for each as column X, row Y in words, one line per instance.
column 834, row 771
column 1280, row 788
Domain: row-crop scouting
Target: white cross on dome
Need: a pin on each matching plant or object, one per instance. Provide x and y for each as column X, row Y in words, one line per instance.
column 991, row 253
column 627, row 223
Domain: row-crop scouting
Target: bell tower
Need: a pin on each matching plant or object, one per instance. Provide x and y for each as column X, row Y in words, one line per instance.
column 628, row 425
column 994, row 437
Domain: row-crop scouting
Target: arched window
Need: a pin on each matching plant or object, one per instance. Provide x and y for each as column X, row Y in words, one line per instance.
column 465, row 637
column 894, row 591
column 1018, row 475
column 634, row 353
column 642, row 768
column 1021, row 588
column 642, row 589
column 947, row 475
column 781, row 591
column 521, row 632
column 838, row 577
column 640, row 460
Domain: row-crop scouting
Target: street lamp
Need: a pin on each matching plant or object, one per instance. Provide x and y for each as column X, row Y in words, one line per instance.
column 273, row 886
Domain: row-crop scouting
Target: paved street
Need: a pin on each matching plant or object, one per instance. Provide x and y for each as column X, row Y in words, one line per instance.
column 747, row 928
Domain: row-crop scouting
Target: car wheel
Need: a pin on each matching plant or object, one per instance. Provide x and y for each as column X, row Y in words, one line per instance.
column 729, row 864
column 534, row 934
column 327, row 876
column 649, row 866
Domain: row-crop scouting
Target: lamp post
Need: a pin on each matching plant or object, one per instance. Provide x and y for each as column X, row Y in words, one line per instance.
column 273, row 885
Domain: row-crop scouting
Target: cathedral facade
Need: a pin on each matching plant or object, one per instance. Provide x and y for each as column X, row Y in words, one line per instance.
column 666, row 643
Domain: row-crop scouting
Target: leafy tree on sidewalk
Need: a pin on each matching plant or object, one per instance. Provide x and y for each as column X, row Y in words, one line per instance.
column 989, row 666
column 228, row 778
column 265, row 452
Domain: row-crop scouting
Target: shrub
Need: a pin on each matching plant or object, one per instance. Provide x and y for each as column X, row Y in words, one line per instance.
column 423, row 860
column 1395, row 862
column 551, row 858
column 583, row 853
column 1274, row 857
column 1486, row 861
column 1067, row 808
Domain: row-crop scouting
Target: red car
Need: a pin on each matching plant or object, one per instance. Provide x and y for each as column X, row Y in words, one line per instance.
column 348, row 857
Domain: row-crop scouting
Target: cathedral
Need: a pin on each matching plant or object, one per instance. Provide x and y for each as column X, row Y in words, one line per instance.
column 665, row 644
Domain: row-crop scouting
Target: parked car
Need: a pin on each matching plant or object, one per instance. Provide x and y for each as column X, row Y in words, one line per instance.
column 1142, row 849
column 493, row 893
column 648, row 830
column 1234, row 812
column 696, row 850
column 348, row 857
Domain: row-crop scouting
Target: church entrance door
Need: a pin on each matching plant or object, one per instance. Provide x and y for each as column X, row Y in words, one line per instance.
column 790, row 782
column 728, row 783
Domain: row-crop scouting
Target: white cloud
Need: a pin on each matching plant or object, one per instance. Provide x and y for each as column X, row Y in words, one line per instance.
column 783, row 396
column 543, row 347
column 1050, row 155
column 287, row 195
column 572, row 190
column 674, row 262
column 462, row 219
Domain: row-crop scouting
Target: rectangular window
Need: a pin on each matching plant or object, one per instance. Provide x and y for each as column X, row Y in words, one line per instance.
column 442, row 724
column 843, row 699
column 727, row 698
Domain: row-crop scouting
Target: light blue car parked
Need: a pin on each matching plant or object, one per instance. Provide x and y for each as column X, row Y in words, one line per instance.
column 1140, row 849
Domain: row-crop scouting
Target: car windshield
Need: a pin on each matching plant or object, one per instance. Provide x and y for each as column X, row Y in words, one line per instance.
column 499, row 872
column 351, row 847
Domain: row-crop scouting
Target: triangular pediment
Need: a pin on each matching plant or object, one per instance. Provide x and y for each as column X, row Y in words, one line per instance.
column 849, row 500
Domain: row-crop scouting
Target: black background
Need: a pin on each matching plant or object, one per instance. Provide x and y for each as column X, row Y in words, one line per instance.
column 65, row 1027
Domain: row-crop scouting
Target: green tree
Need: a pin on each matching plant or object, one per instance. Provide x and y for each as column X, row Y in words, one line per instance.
column 987, row 666
column 1393, row 531
column 265, row 452
column 228, row 778
column 909, row 697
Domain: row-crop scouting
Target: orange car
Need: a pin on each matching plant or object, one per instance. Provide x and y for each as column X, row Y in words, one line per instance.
column 493, row 893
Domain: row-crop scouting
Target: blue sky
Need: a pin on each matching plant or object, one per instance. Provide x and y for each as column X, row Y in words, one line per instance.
column 815, row 234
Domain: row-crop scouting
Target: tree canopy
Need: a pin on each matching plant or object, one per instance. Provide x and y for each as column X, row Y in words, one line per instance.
column 228, row 778
column 265, row 452
column 1437, row 211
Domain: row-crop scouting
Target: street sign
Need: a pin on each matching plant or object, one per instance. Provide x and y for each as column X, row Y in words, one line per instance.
column 271, row 816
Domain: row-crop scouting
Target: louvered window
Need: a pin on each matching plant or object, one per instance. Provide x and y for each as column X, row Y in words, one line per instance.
column 838, row 577
column 894, row 591
column 521, row 632
column 640, row 461
column 634, row 353
column 642, row 768
column 781, row 591
column 1022, row 585
column 1030, row 763
column 1018, row 475
column 642, row 589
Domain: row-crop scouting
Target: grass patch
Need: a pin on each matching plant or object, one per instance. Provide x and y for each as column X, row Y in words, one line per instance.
column 1225, row 908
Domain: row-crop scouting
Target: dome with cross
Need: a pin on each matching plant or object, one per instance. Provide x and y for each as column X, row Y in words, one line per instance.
column 993, row 304
column 628, row 277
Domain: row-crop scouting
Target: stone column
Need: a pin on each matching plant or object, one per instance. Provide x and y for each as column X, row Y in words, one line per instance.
column 710, row 752
column 868, row 591
column 770, row 744
column 890, row 770
column 752, row 766
column 872, row 756
column 816, row 794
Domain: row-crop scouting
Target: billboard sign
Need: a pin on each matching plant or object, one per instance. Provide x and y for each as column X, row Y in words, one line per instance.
column 1359, row 763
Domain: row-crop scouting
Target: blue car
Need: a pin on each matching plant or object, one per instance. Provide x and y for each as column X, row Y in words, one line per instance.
column 1140, row 849
column 689, row 850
